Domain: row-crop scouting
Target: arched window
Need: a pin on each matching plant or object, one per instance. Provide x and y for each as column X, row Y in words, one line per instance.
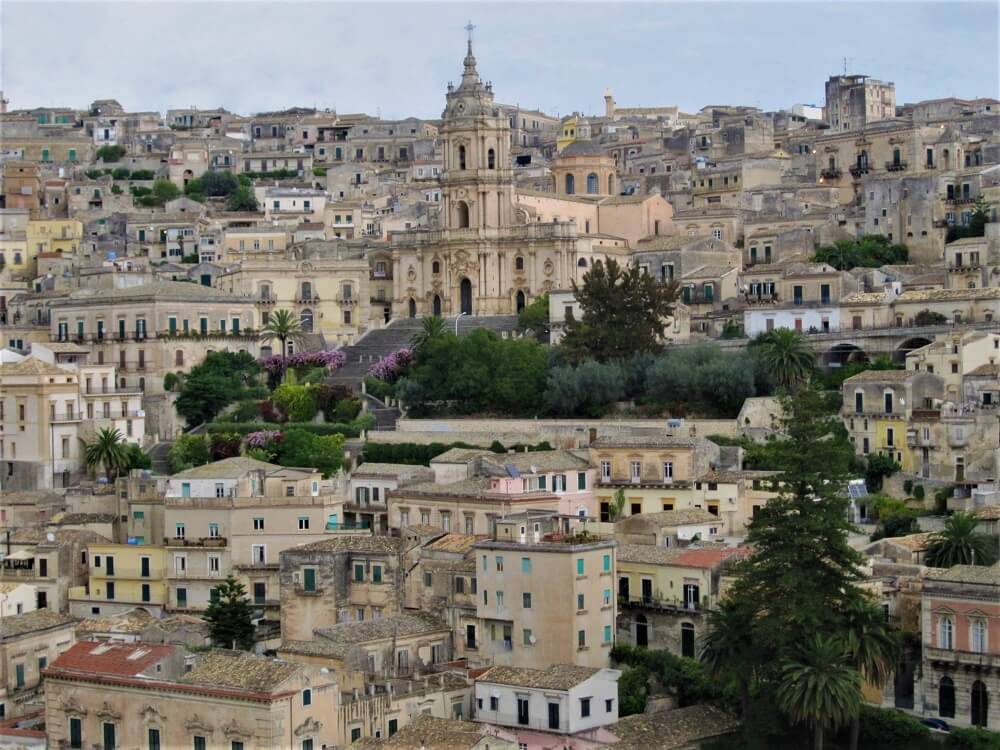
column 436, row 266
column 570, row 184
column 978, row 635
column 436, row 306
column 463, row 215
column 179, row 358
column 979, row 706
column 520, row 300
column 519, row 263
column 461, row 157
column 306, row 320
column 946, row 632
column 946, row 698
column 307, row 288
column 582, row 263
column 491, row 159
column 592, row 183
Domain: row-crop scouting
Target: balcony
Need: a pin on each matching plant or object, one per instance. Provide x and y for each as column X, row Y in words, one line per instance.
column 380, row 275
column 857, row 171
column 895, row 166
column 960, row 200
column 831, row 174
column 111, row 391
column 661, row 604
column 66, row 418
column 313, row 300
column 350, row 301
column 942, row 657
column 337, row 526
column 266, row 300
column 204, row 541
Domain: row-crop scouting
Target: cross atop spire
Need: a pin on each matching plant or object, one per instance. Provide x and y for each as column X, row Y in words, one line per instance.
column 469, row 28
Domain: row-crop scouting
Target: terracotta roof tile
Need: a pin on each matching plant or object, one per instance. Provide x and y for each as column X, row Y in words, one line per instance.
column 118, row 659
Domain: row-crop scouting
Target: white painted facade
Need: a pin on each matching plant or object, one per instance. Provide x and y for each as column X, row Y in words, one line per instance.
column 756, row 321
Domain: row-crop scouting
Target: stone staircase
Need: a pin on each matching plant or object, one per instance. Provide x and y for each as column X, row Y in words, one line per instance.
column 399, row 333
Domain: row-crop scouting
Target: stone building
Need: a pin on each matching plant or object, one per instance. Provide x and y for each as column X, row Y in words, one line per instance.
column 960, row 631
column 584, row 167
column 28, row 643
column 854, row 101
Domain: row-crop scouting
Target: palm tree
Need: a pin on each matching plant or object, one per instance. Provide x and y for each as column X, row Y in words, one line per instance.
column 284, row 326
column 819, row 686
column 960, row 544
column 873, row 648
column 432, row 328
column 728, row 652
column 108, row 451
column 787, row 356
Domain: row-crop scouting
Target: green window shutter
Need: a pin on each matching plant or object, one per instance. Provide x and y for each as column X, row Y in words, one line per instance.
column 309, row 579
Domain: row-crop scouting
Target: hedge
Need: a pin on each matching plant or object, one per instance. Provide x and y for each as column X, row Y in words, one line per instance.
column 350, row 430
column 414, row 454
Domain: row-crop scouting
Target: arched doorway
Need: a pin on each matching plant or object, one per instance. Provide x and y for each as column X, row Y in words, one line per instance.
column 979, row 706
column 946, row 698
column 463, row 215
column 908, row 346
column 843, row 354
column 465, row 294
column 306, row 320
column 413, row 307
column 520, row 300
column 687, row 640
column 641, row 630
column 437, row 306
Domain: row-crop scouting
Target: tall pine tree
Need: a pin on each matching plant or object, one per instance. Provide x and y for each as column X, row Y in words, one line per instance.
column 230, row 615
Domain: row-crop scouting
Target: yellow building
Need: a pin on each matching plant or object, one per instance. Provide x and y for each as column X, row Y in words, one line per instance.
column 14, row 254
column 122, row 577
column 53, row 236
column 573, row 128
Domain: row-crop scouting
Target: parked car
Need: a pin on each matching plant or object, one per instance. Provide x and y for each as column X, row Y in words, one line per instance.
column 936, row 725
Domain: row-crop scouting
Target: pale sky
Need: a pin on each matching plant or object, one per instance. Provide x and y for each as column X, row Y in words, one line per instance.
column 395, row 59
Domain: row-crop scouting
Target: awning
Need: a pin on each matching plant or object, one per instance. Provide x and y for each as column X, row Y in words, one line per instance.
column 21, row 554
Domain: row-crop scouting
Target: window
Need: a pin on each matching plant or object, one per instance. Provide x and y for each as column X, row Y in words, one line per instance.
column 636, row 470
column 526, row 600
column 76, row 733
column 499, row 562
column 199, row 742
column 355, row 734
column 607, row 598
column 580, row 603
column 494, row 703
column 553, row 715
column 527, row 637
column 359, row 572
column 584, row 707
column 179, row 531
column 579, row 566
column 19, row 675
column 309, row 581
column 428, row 579
column 303, row 523
column 393, row 726
column 978, row 635
column 946, row 632
column 606, row 471
column 307, row 697
column 581, row 480
column 606, row 563
column 581, row 639
column 525, row 564
column 153, row 736
column 668, row 471
column 108, row 731
column 607, row 634
column 258, row 524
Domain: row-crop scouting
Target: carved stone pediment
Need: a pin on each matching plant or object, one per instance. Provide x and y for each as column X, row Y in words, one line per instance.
column 150, row 715
column 234, row 731
column 308, row 727
column 72, row 706
column 197, row 725
column 106, row 713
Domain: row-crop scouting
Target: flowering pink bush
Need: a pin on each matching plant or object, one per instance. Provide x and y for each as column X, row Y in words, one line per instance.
column 391, row 366
column 263, row 438
column 331, row 360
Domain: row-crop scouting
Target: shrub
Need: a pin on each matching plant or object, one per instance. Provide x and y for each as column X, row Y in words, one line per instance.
column 941, row 499
column 972, row 739
column 93, row 174
column 414, row 454
column 346, row 410
column 121, row 173
column 319, row 171
column 928, row 318
column 171, row 381
column 225, row 445
column 393, row 365
column 348, row 429
column 296, row 401
column 885, row 728
column 379, row 388
column 908, row 486
column 110, row 153
column 116, row 190
column 189, row 451
column 143, row 174
column 918, row 492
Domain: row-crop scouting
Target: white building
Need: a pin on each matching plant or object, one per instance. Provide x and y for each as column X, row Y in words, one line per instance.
column 799, row 318
column 17, row 599
column 295, row 204
column 561, row 699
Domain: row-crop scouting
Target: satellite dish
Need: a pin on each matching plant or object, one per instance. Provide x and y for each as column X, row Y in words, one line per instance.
column 50, row 536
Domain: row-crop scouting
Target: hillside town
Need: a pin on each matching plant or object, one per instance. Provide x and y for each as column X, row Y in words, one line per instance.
column 502, row 430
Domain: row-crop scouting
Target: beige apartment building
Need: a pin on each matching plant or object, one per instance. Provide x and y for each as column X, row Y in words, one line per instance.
column 51, row 561
column 953, row 356
column 140, row 695
column 28, row 643
column 327, row 292
column 544, row 601
column 239, row 241
column 148, row 330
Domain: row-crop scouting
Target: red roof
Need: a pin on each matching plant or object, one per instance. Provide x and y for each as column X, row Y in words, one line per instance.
column 706, row 558
column 102, row 657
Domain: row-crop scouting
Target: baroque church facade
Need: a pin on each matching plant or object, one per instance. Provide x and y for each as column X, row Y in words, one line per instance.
column 488, row 258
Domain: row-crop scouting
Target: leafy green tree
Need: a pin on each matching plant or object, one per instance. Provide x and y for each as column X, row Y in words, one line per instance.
column 213, row 384
column 703, row 378
column 886, row 729
column 242, row 199
column 819, row 687
column 107, row 451
column 787, row 355
column 135, row 458
column 143, row 174
column 164, row 191
column 587, row 390
column 217, row 184
column 298, row 402
column 121, row 173
column 959, row 543
column 981, row 214
column 972, row 738
column 929, row 318
column 230, row 616
column 189, row 451
column 303, row 449
column 535, row 317
column 625, row 311
column 432, row 329
column 108, row 154
column 873, row 649
column 616, row 509
column 878, row 467
column 633, row 691
column 284, row 326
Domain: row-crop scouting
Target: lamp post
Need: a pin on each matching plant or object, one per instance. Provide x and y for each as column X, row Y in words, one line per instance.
column 460, row 316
